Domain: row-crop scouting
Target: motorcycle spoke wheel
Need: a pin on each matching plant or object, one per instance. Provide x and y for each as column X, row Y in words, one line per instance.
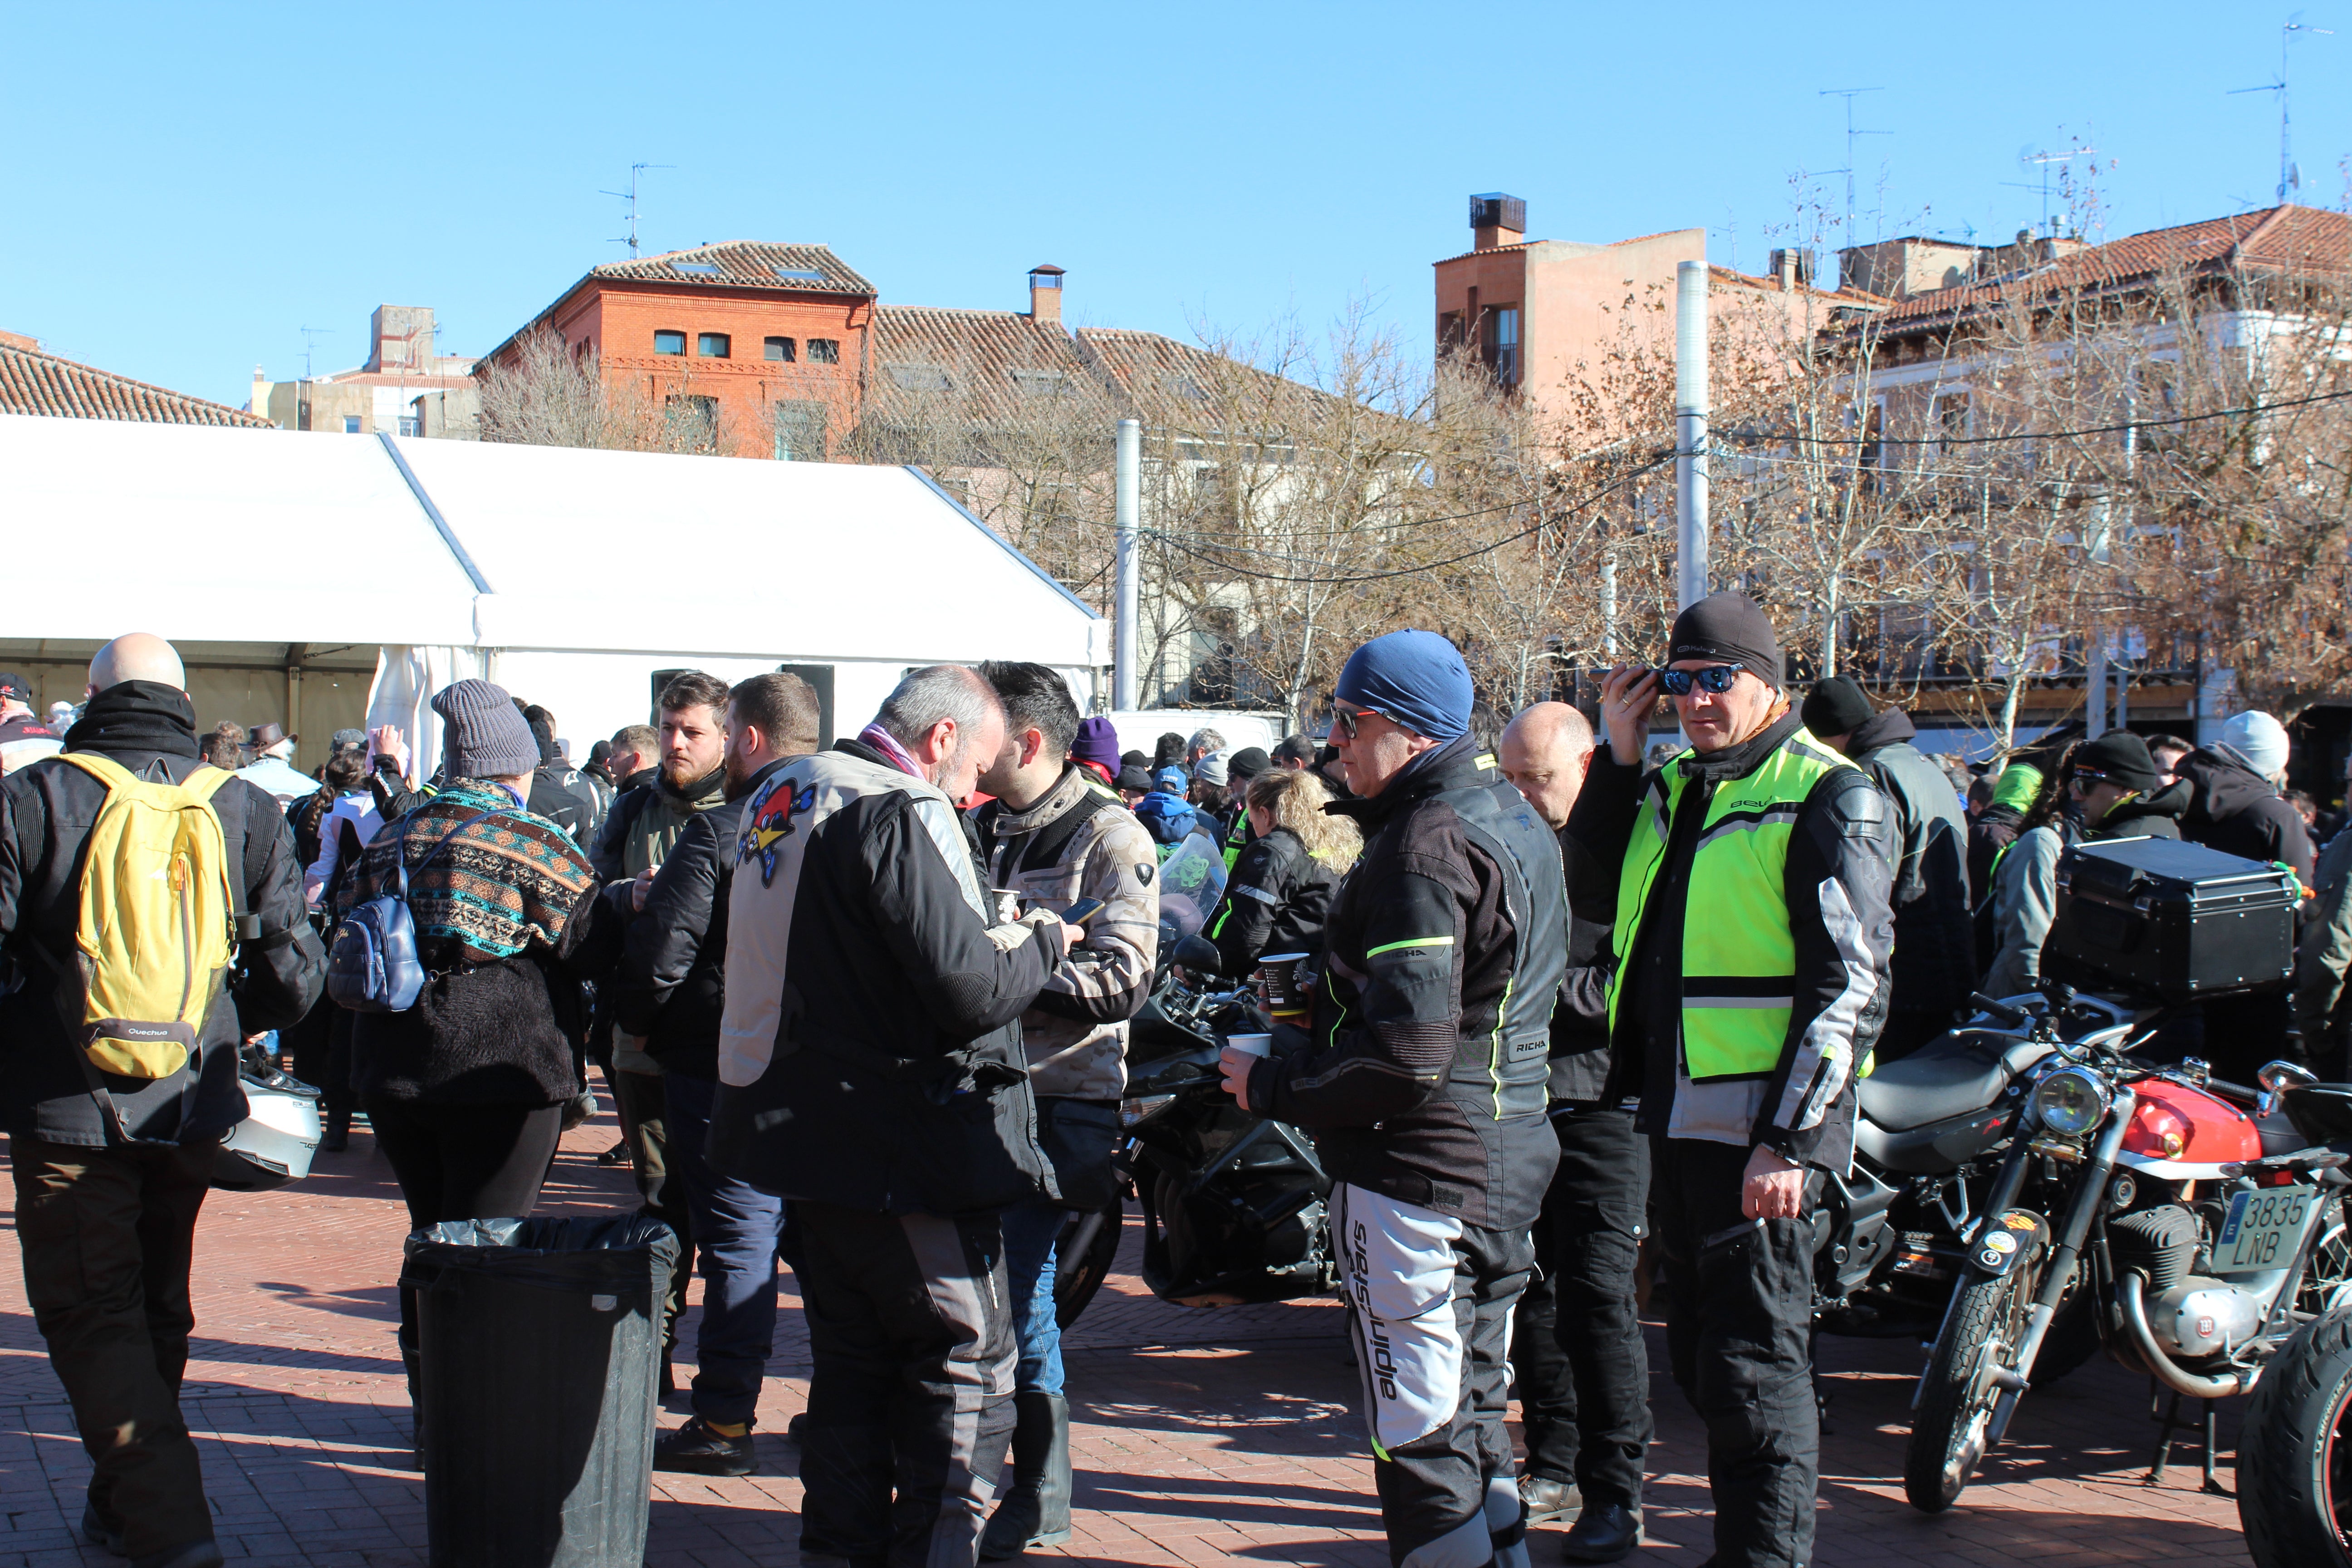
column 2327, row 1283
column 1958, row 1394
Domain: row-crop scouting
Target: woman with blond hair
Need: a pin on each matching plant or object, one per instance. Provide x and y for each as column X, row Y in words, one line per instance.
column 1282, row 885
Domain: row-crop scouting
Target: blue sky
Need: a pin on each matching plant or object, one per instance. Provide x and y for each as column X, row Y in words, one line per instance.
column 187, row 186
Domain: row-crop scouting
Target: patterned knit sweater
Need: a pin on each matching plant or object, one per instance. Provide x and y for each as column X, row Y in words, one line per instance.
column 502, row 915
column 509, row 884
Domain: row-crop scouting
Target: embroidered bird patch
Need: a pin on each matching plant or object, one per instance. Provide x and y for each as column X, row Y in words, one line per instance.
column 771, row 824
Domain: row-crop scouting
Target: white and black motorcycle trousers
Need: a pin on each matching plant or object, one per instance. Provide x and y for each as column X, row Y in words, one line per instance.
column 1430, row 1302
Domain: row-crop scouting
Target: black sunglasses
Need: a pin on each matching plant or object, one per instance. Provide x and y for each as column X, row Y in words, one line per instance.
column 1715, row 677
column 1343, row 719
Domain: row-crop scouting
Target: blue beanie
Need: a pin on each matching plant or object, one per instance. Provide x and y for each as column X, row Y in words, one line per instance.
column 1416, row 679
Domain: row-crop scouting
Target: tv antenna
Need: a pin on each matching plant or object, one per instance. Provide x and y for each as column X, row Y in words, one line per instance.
column 310, row 336
column 2290, row 177
column 630, row 197
column 2032, row 157
column 1850, row 94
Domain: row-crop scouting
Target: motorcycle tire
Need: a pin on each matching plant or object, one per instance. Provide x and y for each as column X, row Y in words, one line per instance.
column 2295, row 1451
column 1074, row 1287
column 2072, row 1339
column 1958, row 1394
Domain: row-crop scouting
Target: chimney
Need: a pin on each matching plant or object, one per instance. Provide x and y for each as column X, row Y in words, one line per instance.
column 1496, row 220
column 1045, row 293
column 1794, row 268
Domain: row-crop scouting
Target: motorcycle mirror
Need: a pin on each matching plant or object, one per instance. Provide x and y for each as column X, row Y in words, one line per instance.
column 2276, row 1077
column 1198, row 952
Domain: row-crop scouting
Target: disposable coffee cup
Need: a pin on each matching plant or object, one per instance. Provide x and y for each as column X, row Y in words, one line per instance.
column 1250, row 1045
column 1277, row 982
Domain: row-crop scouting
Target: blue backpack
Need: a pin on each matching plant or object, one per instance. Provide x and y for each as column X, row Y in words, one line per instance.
column 371, row 966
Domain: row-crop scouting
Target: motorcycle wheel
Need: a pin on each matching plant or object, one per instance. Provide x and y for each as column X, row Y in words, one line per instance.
column 2073, row 1336
column 1076, row 1278
column 1957, row 1396
column 2295, row 1451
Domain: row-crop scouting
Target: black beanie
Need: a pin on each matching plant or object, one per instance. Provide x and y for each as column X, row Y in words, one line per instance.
column 2121, row 757
column 1836, row 707
column 1727, row 627
column 1247, row 763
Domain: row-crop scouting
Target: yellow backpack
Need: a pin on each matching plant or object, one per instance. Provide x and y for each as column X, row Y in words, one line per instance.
column 157, row 932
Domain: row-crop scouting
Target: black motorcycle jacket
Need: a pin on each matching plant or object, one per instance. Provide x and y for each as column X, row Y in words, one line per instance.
column 869, row 1045
column 1276, row 903
column 1443, row 955
column 669, row 987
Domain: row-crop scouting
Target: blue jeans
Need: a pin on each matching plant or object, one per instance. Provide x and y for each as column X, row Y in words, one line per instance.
column 1029, row 1232
column 736, row 1228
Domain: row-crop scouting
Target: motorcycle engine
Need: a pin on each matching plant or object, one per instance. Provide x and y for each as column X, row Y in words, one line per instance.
column 2159, row 1244
column 2201, row 1317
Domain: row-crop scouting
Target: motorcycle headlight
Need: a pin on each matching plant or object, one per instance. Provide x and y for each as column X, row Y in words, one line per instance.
column 2070, row 1102
column 1141, row 1107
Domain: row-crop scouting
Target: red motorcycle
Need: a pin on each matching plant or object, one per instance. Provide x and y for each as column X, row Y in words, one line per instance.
column 2204, row 1222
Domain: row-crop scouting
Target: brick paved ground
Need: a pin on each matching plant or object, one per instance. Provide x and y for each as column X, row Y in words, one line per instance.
column 1204, row 1437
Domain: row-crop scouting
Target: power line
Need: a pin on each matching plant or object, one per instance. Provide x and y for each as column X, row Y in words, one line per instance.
column 1213, row 553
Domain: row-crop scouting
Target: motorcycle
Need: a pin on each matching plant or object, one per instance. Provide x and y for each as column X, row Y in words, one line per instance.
column 2193, row 1225
column 1233, row 1203
column 1929, row 1132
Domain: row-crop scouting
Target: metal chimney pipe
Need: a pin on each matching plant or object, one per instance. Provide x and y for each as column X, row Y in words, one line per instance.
column 1130, row 518
column 1690, row 432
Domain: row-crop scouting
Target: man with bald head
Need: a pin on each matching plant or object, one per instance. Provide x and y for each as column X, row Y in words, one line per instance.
column 110, row 1171
column 135, row 656
column 1584, row 1375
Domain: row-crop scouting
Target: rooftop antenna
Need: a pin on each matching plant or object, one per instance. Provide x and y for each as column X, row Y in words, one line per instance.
column 630, row 197
column 2290, row 177
column 1850, row 94
column 2030, row 156
column 310, row 336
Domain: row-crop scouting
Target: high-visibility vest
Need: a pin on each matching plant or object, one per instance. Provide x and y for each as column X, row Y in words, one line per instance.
column 1738, row 954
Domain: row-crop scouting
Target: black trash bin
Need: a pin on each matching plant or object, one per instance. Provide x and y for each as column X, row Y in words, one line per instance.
column 541, row 1342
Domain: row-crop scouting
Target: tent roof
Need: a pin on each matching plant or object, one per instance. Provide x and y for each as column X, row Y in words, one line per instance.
column 282, row 536
column 195, row 532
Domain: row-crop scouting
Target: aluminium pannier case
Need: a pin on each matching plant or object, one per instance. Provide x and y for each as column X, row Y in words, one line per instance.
column 2173, row 919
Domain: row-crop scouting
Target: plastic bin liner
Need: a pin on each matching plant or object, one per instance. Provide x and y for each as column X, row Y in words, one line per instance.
column 541, row 1345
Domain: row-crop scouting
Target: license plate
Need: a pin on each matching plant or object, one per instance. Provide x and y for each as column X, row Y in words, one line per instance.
column 2263, row 1229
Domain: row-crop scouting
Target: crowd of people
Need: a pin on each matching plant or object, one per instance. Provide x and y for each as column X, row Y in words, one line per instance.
column 863, row 1009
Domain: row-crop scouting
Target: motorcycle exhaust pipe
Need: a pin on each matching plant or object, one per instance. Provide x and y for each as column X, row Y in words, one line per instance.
column 2090, row 1191
column 2130, row 1295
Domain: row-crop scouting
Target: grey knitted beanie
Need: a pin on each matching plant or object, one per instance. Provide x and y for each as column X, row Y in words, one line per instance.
column 483, row 735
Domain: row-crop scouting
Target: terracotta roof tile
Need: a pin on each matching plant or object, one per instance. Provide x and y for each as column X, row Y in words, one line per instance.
column 1726, row 276
column 744, row 264
column 2274, row 239
column 35, row 383
column 989, row 360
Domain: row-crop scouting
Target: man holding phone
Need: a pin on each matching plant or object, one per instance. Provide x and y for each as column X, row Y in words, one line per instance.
column 1057, row 839
column 1752, row 942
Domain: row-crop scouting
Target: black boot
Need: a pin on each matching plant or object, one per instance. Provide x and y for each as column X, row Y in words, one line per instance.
column 338, row 1134
column 1035, row 1511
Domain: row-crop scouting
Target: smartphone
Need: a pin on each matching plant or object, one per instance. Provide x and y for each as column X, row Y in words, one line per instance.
column 1082, row 911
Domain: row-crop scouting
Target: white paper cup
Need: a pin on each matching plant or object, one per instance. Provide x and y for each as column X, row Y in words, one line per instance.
column 1250, row 1045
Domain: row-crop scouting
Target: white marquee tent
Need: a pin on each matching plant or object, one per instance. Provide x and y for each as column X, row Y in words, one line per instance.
column 327, row 581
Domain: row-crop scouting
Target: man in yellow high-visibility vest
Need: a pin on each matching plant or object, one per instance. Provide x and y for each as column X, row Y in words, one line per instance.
column 1752, row 941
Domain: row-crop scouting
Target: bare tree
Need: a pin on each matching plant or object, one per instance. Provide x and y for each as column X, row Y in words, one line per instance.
column 553, row 394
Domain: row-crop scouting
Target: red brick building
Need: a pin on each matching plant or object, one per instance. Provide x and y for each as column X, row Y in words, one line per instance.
column 761, row 348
